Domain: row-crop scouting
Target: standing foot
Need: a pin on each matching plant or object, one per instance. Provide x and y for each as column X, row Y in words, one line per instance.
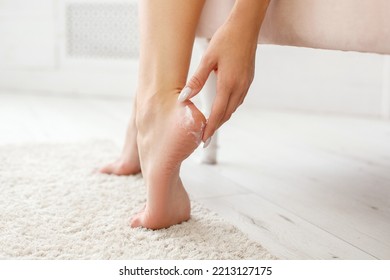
column 122, row 166
column 128, row 163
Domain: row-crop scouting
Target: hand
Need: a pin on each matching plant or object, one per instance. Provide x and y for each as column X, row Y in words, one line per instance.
column 231, row 54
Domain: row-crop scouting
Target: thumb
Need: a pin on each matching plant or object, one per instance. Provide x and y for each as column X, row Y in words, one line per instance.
column 197, row 81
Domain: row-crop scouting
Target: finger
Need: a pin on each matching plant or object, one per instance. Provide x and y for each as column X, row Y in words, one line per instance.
column 234, row 103
column 218, row 110
column 236, row 100
column 198, row 79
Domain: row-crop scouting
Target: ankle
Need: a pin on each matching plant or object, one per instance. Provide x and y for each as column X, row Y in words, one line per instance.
column 153, row 92
column 152, row 102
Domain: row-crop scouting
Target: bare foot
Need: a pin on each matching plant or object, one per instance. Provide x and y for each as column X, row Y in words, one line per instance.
column 125, row 165
column 168, row 132
column 128, row 163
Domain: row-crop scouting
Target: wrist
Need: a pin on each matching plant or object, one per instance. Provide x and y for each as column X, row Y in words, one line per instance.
column 248, row 15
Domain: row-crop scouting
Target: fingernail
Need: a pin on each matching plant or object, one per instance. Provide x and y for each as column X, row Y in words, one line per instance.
column 206, row 143
column 184, row 94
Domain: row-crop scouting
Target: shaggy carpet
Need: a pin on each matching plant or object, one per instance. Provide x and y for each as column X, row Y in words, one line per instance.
column 53, row 206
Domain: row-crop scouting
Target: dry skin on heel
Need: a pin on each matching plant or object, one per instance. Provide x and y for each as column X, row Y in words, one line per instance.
column 168, row 137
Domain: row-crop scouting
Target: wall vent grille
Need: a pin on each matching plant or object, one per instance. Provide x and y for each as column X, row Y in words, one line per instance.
column 102, row 30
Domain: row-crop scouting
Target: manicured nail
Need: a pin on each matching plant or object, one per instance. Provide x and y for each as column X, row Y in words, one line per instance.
column 184, row 94
column 206, row 143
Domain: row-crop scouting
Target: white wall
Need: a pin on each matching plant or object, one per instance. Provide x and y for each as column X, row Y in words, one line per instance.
column 33, row 57
column 27, row 34
column 33, row 54
column 320, row 80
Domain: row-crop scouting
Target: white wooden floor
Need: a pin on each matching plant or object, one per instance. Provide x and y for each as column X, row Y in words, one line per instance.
column 305, row 186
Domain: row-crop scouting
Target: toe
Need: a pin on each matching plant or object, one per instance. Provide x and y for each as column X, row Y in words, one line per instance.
column 106, row 169
column 120, row 168
column 136, row 221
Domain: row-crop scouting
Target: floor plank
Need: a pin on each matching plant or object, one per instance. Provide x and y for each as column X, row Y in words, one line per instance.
column 315, row 185
column 202, row 181
column 286, row 235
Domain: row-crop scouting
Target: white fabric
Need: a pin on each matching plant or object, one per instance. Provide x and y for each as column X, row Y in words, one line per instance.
column 354, row 25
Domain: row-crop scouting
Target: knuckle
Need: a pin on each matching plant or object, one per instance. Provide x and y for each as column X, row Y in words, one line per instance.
column 236, row 83
column 195, row 82
column 228, row 84
column 207, row 60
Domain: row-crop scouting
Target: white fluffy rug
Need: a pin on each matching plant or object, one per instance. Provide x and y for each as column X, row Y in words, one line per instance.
column 52, row 206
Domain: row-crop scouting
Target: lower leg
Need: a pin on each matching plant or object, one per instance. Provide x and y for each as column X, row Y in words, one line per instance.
column 128, row 163
column 168, row 131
